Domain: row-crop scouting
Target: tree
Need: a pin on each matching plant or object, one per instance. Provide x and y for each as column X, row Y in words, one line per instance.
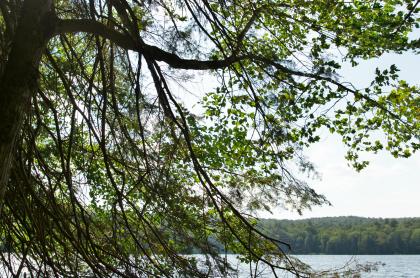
column 103, row 170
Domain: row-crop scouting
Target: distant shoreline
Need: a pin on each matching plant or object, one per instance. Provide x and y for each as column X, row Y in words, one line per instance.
column 347, row 235
column 344, row 235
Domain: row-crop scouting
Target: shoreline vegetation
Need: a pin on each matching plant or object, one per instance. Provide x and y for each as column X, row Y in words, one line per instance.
column 348, row 235
column 344, row 235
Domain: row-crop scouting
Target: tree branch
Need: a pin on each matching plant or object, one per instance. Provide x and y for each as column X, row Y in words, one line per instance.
column 127, row 42
column 96, row 28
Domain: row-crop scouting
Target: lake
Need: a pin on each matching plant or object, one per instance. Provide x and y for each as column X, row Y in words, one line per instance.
column 403, row 266
column 391, row 265
column 394, row 265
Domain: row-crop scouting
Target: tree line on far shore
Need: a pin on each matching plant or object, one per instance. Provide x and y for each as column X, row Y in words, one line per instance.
column 347, row 235
column 334, row 235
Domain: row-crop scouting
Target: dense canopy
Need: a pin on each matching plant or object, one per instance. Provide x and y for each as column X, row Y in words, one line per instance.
column 104, row 169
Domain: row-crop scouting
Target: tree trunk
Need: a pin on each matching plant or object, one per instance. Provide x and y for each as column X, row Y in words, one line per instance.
column 20, row 78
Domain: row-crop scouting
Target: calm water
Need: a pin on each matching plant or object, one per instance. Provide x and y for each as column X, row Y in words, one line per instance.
column 395, row 265
column 391, row 265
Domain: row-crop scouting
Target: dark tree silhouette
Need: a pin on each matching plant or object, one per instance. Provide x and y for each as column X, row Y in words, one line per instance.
column 103, row 171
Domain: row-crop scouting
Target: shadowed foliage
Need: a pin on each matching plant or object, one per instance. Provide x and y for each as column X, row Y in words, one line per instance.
column 104, row 171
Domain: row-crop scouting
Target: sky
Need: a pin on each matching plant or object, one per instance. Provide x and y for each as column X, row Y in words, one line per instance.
column 387, row 188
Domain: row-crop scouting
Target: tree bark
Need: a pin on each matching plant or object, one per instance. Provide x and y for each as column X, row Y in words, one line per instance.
column 20, row 78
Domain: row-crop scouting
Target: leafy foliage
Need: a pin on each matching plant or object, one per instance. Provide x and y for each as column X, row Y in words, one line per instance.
column 112, row 174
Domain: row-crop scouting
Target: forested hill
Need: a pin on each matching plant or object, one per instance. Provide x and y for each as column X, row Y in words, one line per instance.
column 347, row 235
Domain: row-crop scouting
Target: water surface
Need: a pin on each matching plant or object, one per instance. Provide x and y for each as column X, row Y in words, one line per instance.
column 390, row 265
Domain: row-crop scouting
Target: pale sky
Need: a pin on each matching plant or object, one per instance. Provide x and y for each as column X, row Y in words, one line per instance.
column 388, row 187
